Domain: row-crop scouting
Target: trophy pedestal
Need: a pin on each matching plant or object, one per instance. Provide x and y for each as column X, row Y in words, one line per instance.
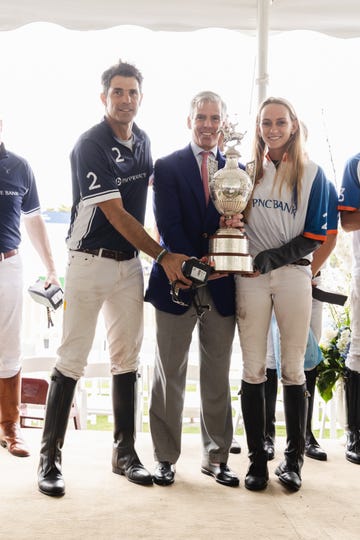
column 229, row 252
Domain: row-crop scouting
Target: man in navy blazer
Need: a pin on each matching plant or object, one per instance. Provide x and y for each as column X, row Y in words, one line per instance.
column 185, row 220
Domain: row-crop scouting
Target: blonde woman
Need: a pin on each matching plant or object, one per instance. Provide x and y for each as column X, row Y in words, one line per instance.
column 285, row 223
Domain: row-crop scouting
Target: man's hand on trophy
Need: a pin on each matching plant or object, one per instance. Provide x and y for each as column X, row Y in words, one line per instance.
column 233, row 222
column 172, row 264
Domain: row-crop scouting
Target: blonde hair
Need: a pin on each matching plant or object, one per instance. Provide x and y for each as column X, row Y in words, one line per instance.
column 290, row 171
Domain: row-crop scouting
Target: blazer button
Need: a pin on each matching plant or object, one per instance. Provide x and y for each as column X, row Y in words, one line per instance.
column 205, row 235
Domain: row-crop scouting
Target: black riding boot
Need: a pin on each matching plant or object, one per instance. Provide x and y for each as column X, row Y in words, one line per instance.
column 125, row 460
column 295, row 406
column 58, row 405
column 271, row 388
column 352, row 397
column 312, row 447
column 253, row 410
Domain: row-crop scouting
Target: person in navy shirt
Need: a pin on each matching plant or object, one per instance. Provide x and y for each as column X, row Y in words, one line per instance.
column 18, row 198
column 111, row 165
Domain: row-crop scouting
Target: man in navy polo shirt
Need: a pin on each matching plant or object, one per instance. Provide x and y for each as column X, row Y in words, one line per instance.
column 111, row 165
column 18, row 197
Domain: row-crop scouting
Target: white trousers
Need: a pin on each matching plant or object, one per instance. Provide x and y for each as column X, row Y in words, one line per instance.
column 287, row 290
column 353, row 358
column 11, row 304
column 94, row 284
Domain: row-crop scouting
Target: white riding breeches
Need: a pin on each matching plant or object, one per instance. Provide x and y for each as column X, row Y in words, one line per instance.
column 94, row 284
column 287, row 291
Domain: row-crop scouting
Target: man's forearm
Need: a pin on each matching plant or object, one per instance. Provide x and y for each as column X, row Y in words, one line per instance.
column 130, row 228
column 36, row 230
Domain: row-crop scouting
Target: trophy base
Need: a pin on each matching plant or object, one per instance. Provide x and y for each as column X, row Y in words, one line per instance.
column 229, row 252
column 230, row 263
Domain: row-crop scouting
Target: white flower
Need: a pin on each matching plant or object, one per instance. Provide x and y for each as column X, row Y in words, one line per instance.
column 328, row 336
column 343, row 341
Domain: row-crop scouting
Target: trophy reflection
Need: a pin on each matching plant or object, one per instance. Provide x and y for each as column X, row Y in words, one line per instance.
column 230, row 190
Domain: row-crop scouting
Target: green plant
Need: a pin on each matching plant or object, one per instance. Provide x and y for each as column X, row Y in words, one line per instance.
column 334, row 348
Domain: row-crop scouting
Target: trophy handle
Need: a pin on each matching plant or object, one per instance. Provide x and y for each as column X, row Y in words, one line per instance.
column 250, row 169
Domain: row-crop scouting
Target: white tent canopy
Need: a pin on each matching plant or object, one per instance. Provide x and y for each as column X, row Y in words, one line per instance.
column 333, row 17
column 339, row 19
column 56, row 67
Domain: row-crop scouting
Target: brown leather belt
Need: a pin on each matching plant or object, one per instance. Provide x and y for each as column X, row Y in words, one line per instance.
column 110, row 254
column 302, row 262
column 8, row 254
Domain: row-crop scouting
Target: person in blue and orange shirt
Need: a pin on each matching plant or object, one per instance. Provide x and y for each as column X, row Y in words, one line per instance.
column 349, row 207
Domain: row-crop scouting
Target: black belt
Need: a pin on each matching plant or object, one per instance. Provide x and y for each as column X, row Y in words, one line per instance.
column 302, row 262
column 110, row 254
column 8, row 254
column 329, row 297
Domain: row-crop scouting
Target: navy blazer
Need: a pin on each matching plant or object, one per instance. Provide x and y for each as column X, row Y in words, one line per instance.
column 185, row 223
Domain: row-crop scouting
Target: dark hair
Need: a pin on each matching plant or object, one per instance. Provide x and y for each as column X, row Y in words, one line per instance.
column 124, row 70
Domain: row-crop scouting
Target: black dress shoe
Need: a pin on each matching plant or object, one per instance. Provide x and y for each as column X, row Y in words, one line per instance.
column 222, row 474
column 314, row 450
column 164, row 474
column 235, row 447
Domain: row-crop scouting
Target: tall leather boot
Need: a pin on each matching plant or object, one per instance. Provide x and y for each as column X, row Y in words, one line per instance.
column 271, row 388
column 125, row 460
column 253, row 410
column 312, row 447
column 10, row 433
column 352, row 398
column 58, row 405
column 295, row 406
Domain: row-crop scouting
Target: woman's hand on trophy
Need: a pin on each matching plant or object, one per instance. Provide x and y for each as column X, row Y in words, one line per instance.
column 253, row 274
column 217, row 275
column 233, row 222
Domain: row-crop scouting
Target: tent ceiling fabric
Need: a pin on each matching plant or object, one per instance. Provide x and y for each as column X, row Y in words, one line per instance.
column 333, row 17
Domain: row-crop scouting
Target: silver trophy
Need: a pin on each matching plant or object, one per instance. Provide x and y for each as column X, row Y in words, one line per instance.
column 230, row 191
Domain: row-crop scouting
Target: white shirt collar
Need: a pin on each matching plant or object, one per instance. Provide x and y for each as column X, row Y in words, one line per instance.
column 197, row 149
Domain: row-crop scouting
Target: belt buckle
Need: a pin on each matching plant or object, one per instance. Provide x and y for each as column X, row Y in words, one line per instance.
column 108, row 254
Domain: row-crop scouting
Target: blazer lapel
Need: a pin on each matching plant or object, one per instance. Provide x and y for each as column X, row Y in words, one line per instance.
column 190, row 173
